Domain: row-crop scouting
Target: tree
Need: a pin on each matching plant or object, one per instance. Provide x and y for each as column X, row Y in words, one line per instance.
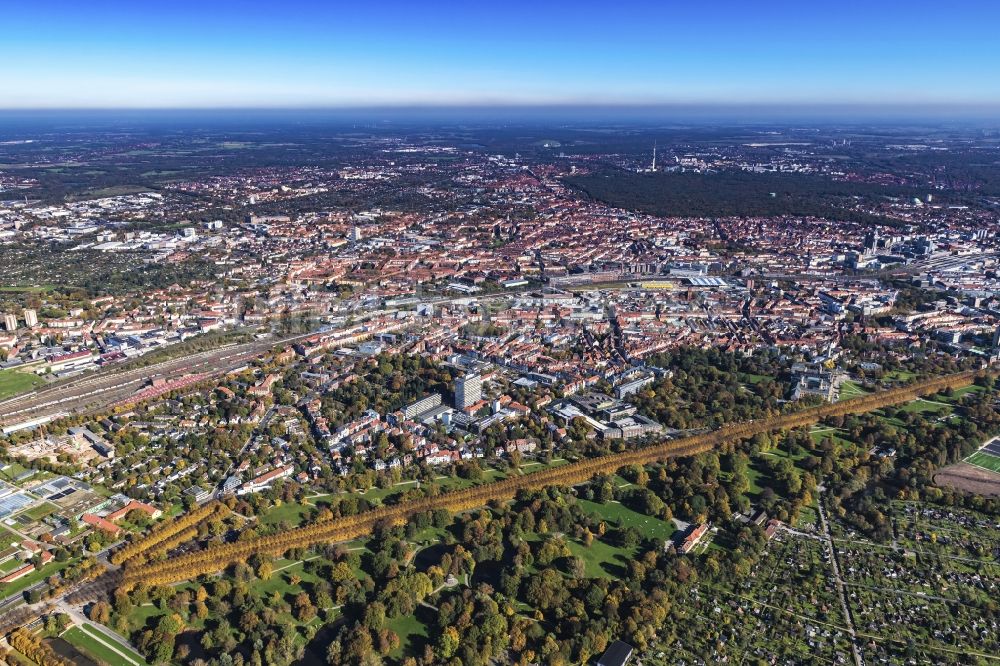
column 100, row 612
column 304, row 609
column 265, row 570
column 447, row 643
column 374, row 618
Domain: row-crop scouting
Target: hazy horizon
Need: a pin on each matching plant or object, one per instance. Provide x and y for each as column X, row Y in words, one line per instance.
column 230, row 54
column 624, row 114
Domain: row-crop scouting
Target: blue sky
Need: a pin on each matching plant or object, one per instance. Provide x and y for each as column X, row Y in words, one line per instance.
column 217, row 53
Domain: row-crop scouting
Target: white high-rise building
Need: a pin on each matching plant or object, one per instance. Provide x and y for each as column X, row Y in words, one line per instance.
column 468, row 390
column 30, row 318
column 355, row 234
column 10, row 322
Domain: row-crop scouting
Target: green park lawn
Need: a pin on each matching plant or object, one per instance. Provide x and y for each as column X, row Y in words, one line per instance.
column 293, row 512
column 118, row 645
column 7, row 589
column 758, row 478
column 900, row 375
column 957, row 394
column 140, row 616
column 819, row 434
column 849, row 389
column 922, row 406
column 782, row 452
column 619, row 514
column 13, row 382
column 412, row 635
column 281, row 583
column 90, row 645
column 602, row 559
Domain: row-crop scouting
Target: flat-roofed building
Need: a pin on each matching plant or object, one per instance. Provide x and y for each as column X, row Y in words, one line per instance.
column 421, row 406
column 468, row 390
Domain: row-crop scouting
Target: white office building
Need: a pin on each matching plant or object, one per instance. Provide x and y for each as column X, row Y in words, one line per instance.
column 468, row 390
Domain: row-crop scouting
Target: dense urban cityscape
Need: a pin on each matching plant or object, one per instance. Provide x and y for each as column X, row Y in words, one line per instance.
column 206, row 358
column 487, row 334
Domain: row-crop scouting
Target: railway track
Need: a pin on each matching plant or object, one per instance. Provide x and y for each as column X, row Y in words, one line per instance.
column 94, row 392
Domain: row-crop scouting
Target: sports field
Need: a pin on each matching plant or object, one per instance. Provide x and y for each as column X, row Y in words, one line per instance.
column 988, row 456
column 985, row 460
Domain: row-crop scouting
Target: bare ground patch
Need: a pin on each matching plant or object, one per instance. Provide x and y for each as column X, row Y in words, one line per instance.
column 963, row 476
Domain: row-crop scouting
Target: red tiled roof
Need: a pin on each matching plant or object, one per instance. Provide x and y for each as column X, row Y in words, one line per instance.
column 101, row 523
